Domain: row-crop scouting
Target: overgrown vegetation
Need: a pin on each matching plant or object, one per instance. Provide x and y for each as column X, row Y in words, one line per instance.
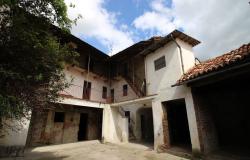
column 31, row 57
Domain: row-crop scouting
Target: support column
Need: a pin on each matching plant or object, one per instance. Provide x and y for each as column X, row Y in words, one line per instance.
column 157, row 119
column 192, row 122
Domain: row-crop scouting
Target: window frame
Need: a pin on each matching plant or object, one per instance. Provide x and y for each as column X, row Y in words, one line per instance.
column 104, row 92
column 160, row 63
column 86, row 90
column 125, row 90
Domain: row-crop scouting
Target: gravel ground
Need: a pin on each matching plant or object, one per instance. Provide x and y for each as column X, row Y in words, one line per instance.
column 94, row 150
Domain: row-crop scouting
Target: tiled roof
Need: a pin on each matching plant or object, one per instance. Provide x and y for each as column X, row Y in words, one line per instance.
column 216, row 64
column 152, row 44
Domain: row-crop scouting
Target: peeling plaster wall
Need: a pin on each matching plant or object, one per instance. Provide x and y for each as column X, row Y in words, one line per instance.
column 135, row 113
column 45, row 131
column 78, row 76
column 12, row 142
column 15, row 137
column 115, row 128
column 117, row 85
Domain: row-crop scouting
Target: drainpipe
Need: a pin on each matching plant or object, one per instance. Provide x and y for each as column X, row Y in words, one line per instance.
column 182, row 64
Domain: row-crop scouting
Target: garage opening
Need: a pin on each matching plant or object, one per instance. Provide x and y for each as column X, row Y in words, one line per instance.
column 147, row 129
column 224, row 111
column 178, row 128
column 82, row 133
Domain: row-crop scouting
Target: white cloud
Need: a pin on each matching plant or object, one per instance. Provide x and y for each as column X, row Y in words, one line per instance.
column 156, row 21
column 100, row 24
column 220, row 25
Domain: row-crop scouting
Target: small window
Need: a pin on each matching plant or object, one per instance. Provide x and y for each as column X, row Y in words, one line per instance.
column 104, row 92
column 160, row 63
column 112, row 95
column 125, row 90
column 59, row 117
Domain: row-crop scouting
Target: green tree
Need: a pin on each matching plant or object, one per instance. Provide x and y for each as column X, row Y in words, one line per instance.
column 31, row 57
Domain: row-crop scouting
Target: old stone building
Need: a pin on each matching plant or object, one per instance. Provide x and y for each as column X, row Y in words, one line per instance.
column 220, row 89
column 137, row 96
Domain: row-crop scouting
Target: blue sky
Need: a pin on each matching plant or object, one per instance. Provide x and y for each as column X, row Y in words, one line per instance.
column 126, row 11
column 113, row 25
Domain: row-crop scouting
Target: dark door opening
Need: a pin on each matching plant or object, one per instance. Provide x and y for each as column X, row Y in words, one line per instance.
column 83, row 126
column 147, row 128
column 142, row 127
column 178, row 124
column 224, row 110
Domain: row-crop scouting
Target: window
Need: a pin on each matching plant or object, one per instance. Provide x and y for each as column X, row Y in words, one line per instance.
column 86, row 90
column 112, row 95
column 59, row 117
column 160, row 63
column 125, row 90
column 104, row 92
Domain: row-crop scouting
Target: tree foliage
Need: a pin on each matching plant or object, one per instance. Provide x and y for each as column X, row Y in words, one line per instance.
column 31, row 57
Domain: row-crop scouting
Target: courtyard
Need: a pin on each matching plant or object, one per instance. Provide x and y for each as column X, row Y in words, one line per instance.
column 94, row 150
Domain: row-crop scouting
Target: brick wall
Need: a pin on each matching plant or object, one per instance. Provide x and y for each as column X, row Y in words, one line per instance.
column 166, row 136
column 206, row 127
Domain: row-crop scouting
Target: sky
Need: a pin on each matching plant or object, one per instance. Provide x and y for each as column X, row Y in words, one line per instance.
column 113, row 25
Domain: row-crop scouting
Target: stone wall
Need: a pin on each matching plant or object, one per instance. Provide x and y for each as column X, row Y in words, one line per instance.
column 44, row 130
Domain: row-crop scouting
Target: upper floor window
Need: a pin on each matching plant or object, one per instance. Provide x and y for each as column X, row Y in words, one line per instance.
column 104, row 92
column 86, row 90
column 125, row 90
column 160, row 63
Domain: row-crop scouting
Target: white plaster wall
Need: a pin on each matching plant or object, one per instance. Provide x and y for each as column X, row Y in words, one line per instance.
column 115, row 126
column 192, row 122
column 167, row 76
column 117, row 85
column 78, row 76
column 136, row 125
column 81, row 102
column 16, row 138
column 187, row 54
column 160, row 82
column 157, row 121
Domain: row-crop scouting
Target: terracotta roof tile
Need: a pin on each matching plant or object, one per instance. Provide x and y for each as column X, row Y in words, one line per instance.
column 217, row 63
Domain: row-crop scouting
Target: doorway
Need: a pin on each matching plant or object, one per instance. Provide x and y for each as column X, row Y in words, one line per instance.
column 178, row 127
column 147, row 128
column 83, row 126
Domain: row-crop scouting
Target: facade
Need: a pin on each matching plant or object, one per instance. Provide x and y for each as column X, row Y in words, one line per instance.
column 129, row 97
column 220, row 89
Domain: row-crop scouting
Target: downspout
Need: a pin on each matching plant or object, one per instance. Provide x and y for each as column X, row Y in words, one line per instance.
column 182, row 64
